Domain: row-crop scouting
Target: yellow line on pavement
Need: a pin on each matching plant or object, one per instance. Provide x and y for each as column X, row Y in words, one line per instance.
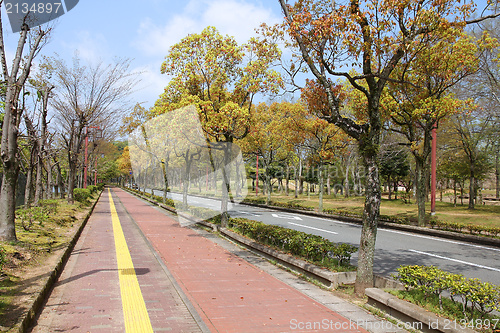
column 134, row 309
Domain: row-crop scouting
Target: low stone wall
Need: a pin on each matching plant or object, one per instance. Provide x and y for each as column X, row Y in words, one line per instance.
column 411, row 314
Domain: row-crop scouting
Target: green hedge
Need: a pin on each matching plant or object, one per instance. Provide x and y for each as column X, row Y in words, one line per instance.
column 462, row 227
column 472, row 294
column 312, row 247
column 82, row 195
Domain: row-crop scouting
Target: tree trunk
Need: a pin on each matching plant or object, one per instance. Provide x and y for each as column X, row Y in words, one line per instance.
column 371, row 212
column 13, row 83
column 328, row 186
column 420, row 181
column 287, row 180
column 238, row 176
column 389, row 186
column 39, row 178
column 472, row 188
column 71, row 182
column 454, row 193
column 321, row 186
column 346, row 182
column 268, row 187
column 28, row 196
column 296, row 185
column 462, row 193
column 50, row 182
column 164, row 168
column 497, row 175
column 8, row 204
column 225, row 188
column 28, row 192
column 301, row 179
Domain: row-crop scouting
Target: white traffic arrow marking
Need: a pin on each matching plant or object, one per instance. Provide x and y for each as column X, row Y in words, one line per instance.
column 308, row 227
column 242, row 212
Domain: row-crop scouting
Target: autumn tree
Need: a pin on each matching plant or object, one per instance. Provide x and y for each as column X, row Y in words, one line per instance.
column 323, row 141
column 484, row 88
column 424, row 99
column 267, row 139
column 221, row 78
column 92, row 95
column 372, row 36
column 124, row 165
column 470, row 131
column 14, row 77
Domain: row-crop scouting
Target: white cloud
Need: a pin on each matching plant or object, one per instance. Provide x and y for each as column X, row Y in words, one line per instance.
column 90, row 47
column 151, row 85
column 236, row 18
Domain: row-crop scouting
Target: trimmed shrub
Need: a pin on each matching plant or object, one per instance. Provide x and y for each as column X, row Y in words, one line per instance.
column 474, row 295
column 311, row 247
column 92, row 189
column 82, row 195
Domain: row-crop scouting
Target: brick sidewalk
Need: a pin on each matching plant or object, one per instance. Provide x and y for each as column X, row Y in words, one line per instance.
column 230, row 294
column 87, row 296
column 190, row 282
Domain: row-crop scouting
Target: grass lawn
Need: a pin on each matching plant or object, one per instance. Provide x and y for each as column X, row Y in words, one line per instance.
column 32, row 257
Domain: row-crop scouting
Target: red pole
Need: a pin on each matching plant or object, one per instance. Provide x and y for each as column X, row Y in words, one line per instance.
column 257, row 178
column 95, row 176
column 433, row 171
column 86, row 161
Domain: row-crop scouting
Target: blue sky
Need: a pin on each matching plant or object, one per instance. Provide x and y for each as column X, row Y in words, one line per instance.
column 144, row 30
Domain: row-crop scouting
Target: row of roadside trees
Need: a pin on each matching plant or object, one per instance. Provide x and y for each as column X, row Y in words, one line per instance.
column 53, row 118
column 379, row 71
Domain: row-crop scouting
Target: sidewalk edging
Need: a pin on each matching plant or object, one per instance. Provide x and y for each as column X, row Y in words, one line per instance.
column 411, row 313
column 28, row 318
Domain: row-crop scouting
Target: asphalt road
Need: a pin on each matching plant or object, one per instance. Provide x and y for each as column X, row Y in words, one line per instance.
column 393, row 248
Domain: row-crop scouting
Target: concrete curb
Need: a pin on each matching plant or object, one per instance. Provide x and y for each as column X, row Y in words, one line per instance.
column 389, row 225
column 327, row 278
column 28, row 318
column 412, row 314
